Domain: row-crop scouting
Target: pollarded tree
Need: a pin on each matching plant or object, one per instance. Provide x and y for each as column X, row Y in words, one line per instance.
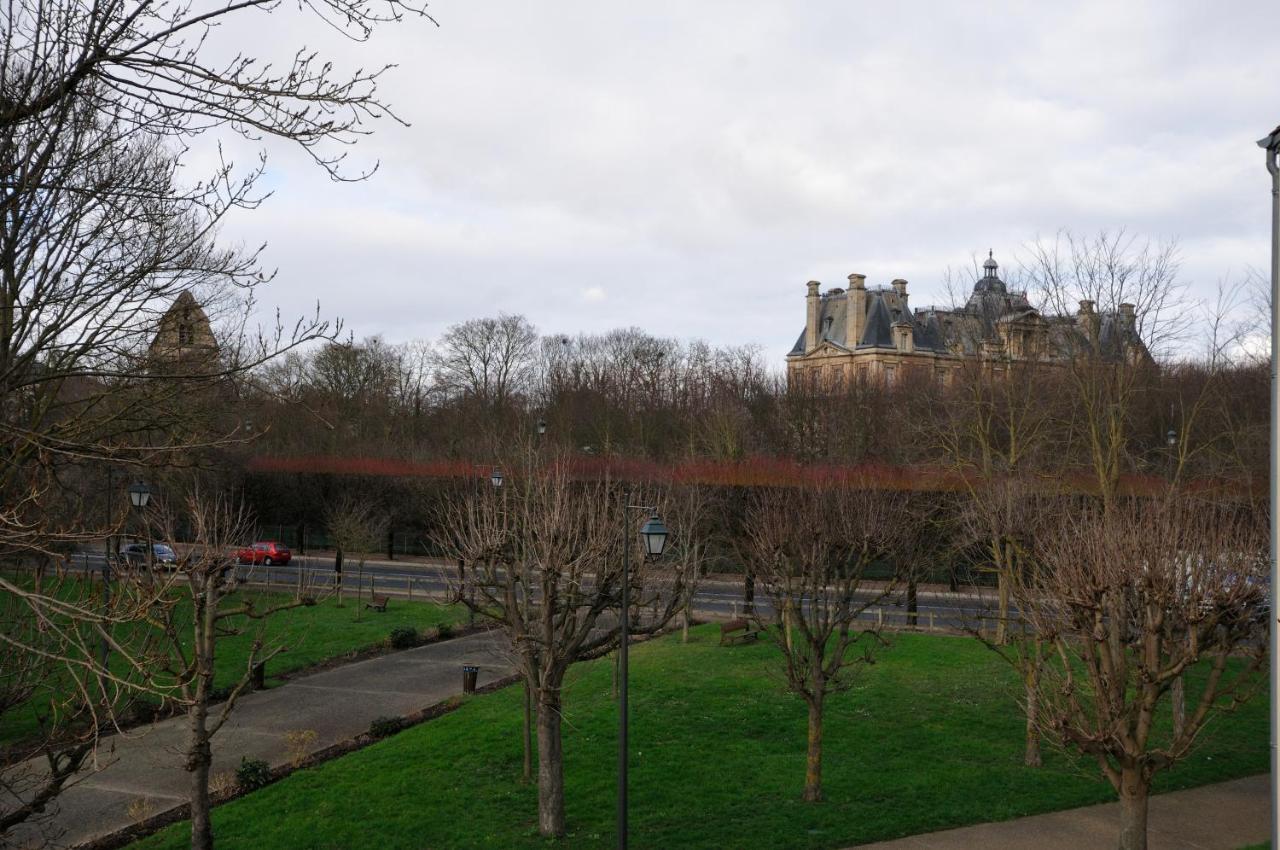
column 542, row 559
column 810, row 549
column 182, row 664
column 1127, row 599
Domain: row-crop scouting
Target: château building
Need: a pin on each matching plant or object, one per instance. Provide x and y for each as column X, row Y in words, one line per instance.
column 863, row 332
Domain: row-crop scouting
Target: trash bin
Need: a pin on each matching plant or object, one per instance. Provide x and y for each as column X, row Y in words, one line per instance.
column 469, row 675
column 259, row 678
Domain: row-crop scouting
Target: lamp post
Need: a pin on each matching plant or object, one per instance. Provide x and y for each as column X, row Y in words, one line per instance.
column 1271, row 144
column 140, row 496
column 653, row 534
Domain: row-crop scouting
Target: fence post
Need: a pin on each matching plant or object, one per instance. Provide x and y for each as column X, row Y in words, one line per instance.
column 410, row 583
column 268, row 579
column 879, row 618
column 930, row 621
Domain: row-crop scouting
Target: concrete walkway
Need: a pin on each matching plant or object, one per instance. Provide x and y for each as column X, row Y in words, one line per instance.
column 141, row 773
column 1225, row 816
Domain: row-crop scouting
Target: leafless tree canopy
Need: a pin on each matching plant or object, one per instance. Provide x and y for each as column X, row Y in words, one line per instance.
column 1130, row 599
column 542, row 558
column 148, row 67
column 810, row 550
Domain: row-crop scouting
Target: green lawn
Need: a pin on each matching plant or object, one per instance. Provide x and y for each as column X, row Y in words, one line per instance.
column 310, row 635
column 930, row 737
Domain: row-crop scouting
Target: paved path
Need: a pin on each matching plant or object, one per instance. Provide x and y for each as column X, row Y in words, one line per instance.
column 1225, row 816
column 145, row 769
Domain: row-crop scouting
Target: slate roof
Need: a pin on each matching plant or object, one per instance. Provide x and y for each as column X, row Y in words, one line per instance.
column 962, row 330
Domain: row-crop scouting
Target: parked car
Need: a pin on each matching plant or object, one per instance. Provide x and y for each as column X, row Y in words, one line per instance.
column 161, row 555
column 266, row 552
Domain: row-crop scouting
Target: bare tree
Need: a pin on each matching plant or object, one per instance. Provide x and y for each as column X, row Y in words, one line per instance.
column 58, row 630
column 543, row 560
column 34, row 771
column 1127, row 599
column 688, row 508
column 100, row 232
column 354, row 526
column 1130, row 310
column 810, row 549
column 218, row 609
column 994, row 426
column 487, row 359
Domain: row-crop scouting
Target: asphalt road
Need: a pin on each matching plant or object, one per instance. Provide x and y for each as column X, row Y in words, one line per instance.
column 714, row 598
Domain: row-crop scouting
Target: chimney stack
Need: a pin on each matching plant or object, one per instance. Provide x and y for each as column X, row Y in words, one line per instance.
column 1087, row 320
column 813, row 305
column 855, row 310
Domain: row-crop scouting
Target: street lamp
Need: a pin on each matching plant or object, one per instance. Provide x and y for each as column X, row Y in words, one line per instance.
column 140, row 494
column 542, row 427
column 654, row 537
column 495, row 477
column 1171, row 438
column 1271, row 144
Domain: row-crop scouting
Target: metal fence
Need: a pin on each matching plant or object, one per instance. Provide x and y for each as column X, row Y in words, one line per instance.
column 353, row 583
column 305, row 538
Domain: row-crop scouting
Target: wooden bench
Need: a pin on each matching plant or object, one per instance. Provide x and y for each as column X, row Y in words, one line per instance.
column 738, row 631
column 377, row 603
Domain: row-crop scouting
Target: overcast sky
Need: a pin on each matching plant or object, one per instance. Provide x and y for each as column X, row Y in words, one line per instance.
column 687, row 166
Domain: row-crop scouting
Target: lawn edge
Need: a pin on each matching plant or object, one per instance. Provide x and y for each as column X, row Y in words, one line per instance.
column 137, row 831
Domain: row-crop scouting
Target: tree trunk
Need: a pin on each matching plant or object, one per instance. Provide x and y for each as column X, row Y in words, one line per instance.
column 813, row 764
column 550, row 763
column 684, row 626
column 1179, row 696
column 1031, row 756
column 527, row 774
column 1002, row 581
column 337, row 572
column 748, row 592
column 199, row 758
column 913, row 602
column 1133, row 810
column 617, row 662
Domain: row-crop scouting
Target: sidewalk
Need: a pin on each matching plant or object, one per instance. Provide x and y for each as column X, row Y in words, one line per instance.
column 1225, row 816
column 143, row 768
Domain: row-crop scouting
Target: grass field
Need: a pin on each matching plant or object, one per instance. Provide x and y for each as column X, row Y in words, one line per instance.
column 928, row 738
column 310, row 635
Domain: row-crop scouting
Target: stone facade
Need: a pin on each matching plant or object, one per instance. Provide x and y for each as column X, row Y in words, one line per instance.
column 184, row 335
column 863, row 333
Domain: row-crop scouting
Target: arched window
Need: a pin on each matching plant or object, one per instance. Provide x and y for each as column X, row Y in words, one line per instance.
column 184, row 333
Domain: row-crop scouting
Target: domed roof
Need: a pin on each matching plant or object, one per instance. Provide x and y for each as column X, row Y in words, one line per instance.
column 990, row 281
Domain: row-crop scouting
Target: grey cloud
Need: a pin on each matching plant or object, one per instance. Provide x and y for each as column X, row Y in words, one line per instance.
column 711, row 157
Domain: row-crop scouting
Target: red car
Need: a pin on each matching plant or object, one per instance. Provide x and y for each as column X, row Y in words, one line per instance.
column 264, row 552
